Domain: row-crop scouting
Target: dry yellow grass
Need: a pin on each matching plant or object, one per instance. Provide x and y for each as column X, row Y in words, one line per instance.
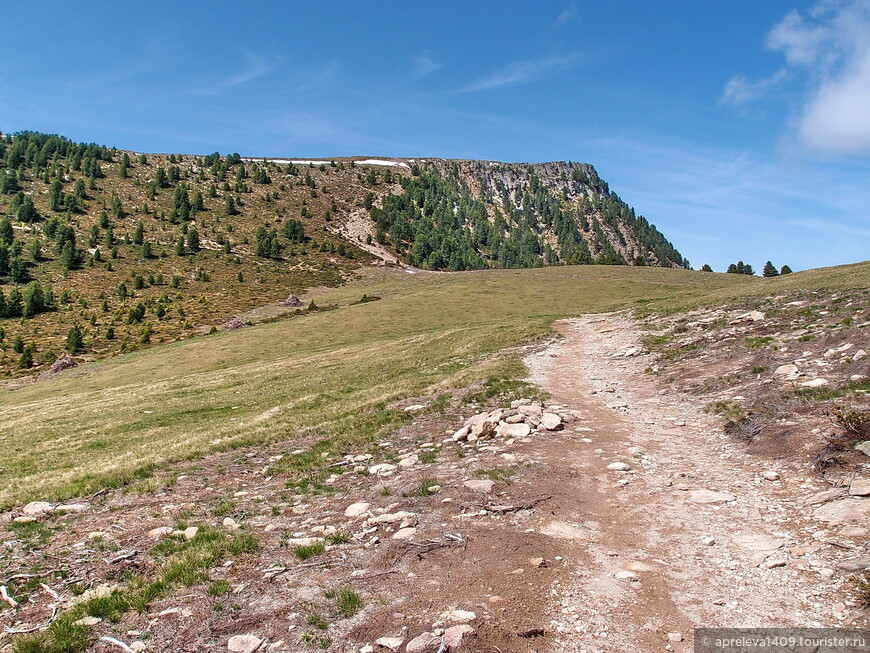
column 326, row 375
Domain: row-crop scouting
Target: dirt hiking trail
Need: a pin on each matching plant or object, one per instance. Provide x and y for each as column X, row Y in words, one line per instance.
column 667, row 523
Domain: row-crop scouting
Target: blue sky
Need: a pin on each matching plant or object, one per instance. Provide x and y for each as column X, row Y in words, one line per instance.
column 741, row 129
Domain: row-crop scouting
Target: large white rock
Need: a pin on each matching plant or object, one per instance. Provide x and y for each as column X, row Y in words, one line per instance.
column 423, row 643
column 519, row 430
column 383, row 469
column 837, row 512
column 458, row 616
column 453, row 636
column 530, row 411
column 860, row 487
column 392, row 517
column 551, row 421
column 405, row 533
column 480, row 486
column 357, row 509
column 619, row 467
column 786, row 370
column 757, row 542
column 244, row 643
column 392, row 643
column 37, row 508
column 709, row 496
column 815, row 383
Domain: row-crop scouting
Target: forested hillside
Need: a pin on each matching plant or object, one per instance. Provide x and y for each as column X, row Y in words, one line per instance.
column 104, row 251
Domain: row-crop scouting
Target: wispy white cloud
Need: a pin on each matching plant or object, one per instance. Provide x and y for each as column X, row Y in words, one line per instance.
column 425, row 66
column 569, row 15
column 256, row 66
column 319, row 77
column 718, row 205
column 829, row 49
column 739, row 90
column 522, row 72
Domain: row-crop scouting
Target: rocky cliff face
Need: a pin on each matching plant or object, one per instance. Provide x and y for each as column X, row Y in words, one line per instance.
column 545, row 213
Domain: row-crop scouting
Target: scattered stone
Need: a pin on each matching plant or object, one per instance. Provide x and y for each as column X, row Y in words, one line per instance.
column 625, row 575
column 71, row 507
column 392, row 643
column 423, row 643
column 190, row 532
column 230, row 523
column 619, row 467
column 815, row 383
column 244, row 643
column 357, row 509
column 384, row 469
column 708, row 541
column 551, row 421
column 756, row 542
column 860, row 487
column 531, row 411
column 773, row 563
column 843, row 510
column 519, row 430
column 855, row 564
column 786, row 370
column 537, row 562
column 859, row 355
column 160, row 531
column 461, row 434
column 827, row 495
column 416, row 408
column 35, row 508
column 853, row 531
column 863, row 447
column 458, row 616
column 770, row 475
column 87, row 621
column 392, row 517
column 675, row 637
column 292, row 300
column 405, row 533
column 138, row 646
column 408, row 462
column 709, row 496
column 453, row 636
column 479, row 486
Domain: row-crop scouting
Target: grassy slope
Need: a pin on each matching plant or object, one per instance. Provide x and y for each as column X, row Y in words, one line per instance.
column 326, row 375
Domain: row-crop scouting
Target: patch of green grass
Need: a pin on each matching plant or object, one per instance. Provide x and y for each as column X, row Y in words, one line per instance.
column 317, row 621
column 428, row 457
column 224, row 509
column 426, row 486
column 506, row 387
column 219, row 588
column 730, row 410
column 309, row 550
column 495, row 474
column 188, row 565
column 242, row 543
column 655, row 342
column 327, row 375
column 33, row 534
column 341, row 537
column 826, row 393
column 758, row 369
column 757, row 342
column 348, row 602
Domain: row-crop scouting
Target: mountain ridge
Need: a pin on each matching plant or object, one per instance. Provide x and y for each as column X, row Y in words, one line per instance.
column 128, row 248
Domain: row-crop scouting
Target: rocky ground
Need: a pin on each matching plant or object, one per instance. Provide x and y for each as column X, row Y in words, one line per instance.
column 615, row 515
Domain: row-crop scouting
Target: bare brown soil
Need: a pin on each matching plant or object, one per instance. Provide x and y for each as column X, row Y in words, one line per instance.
column 577, row 556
